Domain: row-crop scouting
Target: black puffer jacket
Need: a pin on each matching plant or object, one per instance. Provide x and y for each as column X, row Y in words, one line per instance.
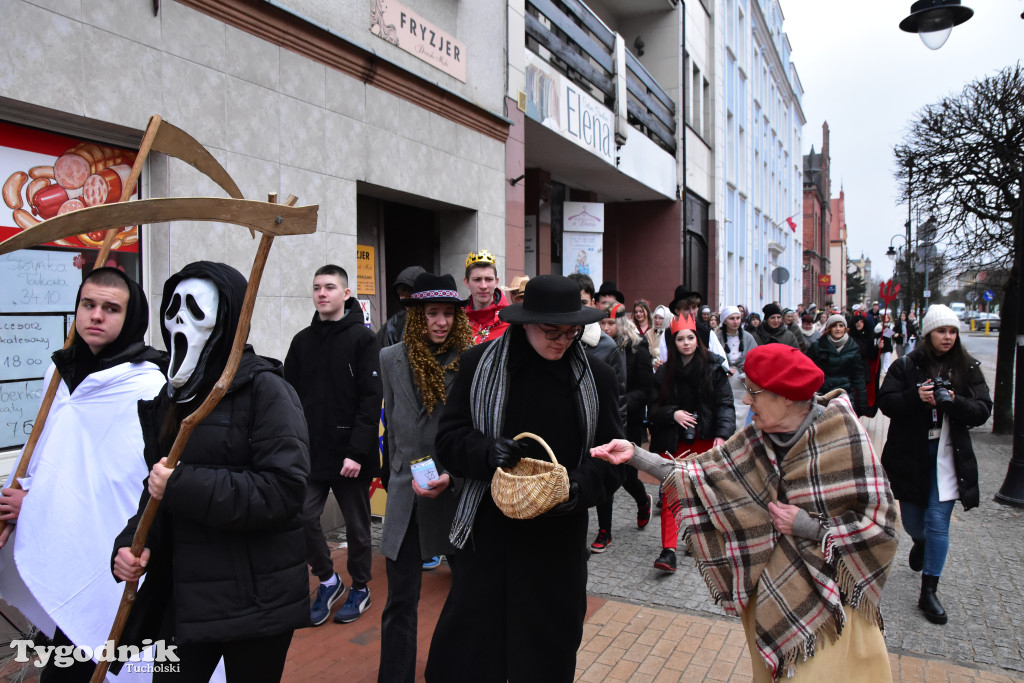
column 716, row 413
column 228, row 553
column 639, row 384
column 843, row 370
column 906, row 457
column 335, row 368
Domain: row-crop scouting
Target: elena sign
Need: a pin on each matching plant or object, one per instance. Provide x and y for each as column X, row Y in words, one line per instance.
column 561, row 105
column 404, row 28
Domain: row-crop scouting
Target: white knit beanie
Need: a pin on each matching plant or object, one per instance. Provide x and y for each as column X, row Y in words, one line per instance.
column 939, row 316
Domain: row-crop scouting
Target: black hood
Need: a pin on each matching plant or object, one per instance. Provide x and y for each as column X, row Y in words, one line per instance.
column 353, row 316
column 231, row 287
column 78, row 362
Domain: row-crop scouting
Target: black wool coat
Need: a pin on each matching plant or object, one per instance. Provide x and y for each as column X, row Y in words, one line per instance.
column 518, row 598
column 228, row 555
column 716, row 414
column 843, row 370
column 906, row 456
column 335, row 368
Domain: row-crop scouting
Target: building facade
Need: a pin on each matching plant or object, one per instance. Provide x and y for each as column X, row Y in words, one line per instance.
column 838, row 264
column 389, row 117
column 817, row 222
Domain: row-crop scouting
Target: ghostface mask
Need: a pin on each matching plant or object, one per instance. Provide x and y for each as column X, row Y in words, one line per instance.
column 190, row 318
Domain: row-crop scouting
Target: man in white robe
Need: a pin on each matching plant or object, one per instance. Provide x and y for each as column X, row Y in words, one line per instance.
column 85, row 477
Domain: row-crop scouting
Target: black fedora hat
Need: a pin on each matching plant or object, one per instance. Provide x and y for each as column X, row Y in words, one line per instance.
column 433, row 289
column 552, row 300
column 609, row 288
column 682, row 292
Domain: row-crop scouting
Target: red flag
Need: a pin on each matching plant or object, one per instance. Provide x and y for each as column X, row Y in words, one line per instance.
column 791, row 223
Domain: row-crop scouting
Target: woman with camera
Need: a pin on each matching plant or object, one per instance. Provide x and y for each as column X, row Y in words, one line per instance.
column 933, row 396
column 692, row 413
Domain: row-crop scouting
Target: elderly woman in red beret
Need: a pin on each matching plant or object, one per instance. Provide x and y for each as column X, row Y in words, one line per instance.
column 791, row 521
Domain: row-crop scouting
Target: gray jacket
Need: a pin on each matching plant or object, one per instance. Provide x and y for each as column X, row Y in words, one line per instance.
column 410, row 434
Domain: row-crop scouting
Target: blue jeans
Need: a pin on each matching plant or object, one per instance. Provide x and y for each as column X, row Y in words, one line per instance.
column 930, row 524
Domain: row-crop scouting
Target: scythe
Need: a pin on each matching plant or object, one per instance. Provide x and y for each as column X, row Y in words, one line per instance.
column 269, row 218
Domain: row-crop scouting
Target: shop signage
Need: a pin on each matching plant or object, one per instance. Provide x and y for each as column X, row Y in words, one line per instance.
column 421, row 37
column 561, row 105
column 583, row 239
column 366, row 284
column 824, row 280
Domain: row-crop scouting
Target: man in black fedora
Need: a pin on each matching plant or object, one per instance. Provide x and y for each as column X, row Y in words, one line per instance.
column 609, row 292
column 518, row 597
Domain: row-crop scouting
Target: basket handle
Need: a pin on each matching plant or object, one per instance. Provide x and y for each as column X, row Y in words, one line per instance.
column 542, row 442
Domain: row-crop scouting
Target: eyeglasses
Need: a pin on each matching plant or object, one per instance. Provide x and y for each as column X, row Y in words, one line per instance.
column 753, row 394
column 554, row 335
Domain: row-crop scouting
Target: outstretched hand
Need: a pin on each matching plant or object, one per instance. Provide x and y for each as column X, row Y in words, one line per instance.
column 616, row 451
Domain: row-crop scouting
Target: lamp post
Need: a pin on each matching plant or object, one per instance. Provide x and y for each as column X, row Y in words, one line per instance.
column 891, row 253
column 933, row 20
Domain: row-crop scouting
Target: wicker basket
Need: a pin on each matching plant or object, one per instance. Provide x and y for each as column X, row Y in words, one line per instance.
column 532, row 487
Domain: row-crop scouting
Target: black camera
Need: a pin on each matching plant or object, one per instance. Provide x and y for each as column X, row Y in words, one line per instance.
column 940, row 392
column 688, row 434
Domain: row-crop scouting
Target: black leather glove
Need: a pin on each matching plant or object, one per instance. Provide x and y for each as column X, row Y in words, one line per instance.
column 506, row 453
column 569, row 505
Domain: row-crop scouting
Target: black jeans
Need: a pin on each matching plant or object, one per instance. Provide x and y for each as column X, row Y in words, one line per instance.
column 353, row 496
column 77, row 672
column 254, row 660
column 398, row 622
column 634, row 487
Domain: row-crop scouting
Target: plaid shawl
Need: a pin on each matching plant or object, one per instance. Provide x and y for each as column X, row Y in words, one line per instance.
column 832, row 472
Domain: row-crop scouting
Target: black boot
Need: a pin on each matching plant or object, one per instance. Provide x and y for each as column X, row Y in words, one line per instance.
column 929, row 602
column 916, row 559
column 666, row 562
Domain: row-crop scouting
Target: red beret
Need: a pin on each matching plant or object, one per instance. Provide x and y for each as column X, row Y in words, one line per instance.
column 783, row 370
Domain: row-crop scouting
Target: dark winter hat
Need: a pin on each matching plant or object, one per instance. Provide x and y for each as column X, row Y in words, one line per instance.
column 407, row 276
column 609, row 288
column 552, row 300
column 770, row 310
column 433, row 289
column 783, row 370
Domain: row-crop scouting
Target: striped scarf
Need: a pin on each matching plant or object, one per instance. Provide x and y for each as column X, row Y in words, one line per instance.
column 488, row 396
column 831, row 472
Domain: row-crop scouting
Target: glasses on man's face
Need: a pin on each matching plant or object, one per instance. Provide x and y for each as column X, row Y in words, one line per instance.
column 555, row 335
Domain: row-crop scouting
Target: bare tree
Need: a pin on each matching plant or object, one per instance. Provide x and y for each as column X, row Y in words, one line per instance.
column 963, row 162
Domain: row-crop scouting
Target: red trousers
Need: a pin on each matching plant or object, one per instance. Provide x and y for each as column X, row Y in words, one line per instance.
column 669, row 526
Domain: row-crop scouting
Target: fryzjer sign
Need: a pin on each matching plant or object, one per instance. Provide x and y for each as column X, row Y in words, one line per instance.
column 562, row 106
column 404, row 28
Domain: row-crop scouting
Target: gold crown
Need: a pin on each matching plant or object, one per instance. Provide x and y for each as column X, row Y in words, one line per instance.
column 483, row 257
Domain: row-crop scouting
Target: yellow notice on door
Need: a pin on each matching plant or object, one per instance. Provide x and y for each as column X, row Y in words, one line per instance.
column 366, row 283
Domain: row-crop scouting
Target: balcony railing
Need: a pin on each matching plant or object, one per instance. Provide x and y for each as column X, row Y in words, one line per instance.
column 583, row 48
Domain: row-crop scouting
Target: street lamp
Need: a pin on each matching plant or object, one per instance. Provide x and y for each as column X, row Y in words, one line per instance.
column 933, row 20
column 891, row 253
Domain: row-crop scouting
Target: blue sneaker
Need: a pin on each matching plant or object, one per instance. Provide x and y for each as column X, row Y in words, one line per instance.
column 432, row 563
column 357, row 603
column 325, row 599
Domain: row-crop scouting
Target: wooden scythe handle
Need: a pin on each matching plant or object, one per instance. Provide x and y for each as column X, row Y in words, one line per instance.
column 108, row 242
column 185, row 431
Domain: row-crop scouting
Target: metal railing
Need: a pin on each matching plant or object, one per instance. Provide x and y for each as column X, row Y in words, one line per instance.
column 583, row 48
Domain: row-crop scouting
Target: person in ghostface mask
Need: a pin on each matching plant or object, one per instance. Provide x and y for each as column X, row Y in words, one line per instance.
column 225, row 559
column 85, row 475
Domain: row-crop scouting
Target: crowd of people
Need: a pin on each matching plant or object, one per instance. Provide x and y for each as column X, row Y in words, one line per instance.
column 740, row 415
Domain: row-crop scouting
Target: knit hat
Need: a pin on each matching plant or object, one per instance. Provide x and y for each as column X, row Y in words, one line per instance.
column 770, row 310
column 783, row 370
column 833, row 319
column 727, row 311
column 939, row 316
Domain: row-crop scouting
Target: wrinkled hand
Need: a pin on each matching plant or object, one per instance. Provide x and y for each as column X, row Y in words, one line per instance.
column 569, row 505
column 616, row 451
column 684, row 418
column 783, row 516
column 158, row 479
column 506, row 453
column 127, row 567
column 436, row 486
column 10, row 504
column 350, row 468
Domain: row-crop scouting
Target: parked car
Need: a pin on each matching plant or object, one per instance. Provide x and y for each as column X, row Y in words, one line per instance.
column 991, row 318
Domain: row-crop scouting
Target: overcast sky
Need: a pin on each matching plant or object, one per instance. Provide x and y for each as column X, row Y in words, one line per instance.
column 868, row 79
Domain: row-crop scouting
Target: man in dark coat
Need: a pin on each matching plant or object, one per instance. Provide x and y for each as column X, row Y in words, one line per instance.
column 226, row 573
column 391, row 331
column 518, row 598
column 333, row 365
column 772, row 330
